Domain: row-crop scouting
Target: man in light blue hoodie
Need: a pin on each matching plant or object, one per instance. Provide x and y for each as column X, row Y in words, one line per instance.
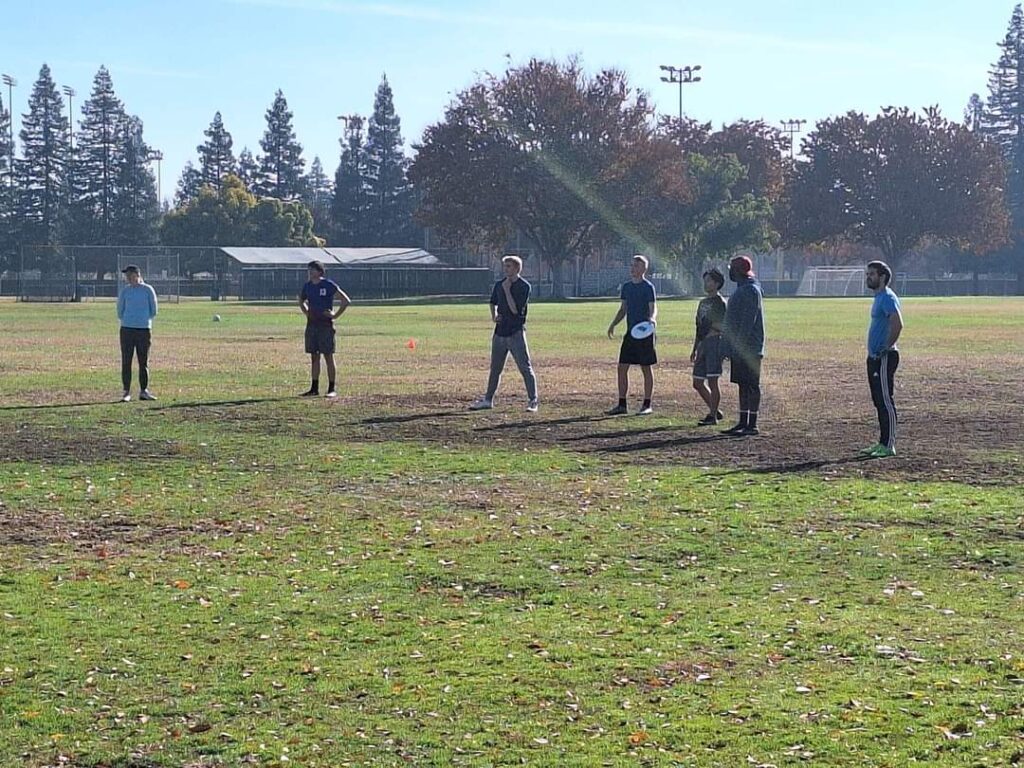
column 136, row 308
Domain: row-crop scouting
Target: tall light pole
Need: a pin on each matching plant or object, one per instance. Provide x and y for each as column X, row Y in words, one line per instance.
column 10, row 82
column 70, row 93
column 680, row 75
column 157, row 155
column 792, row 127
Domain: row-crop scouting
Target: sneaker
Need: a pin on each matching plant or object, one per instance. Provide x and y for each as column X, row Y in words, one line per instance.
column 331, row 394
column 645, row 411
column 870, row 449
column 719, row 415
column 483, row 404
column 708, row 421
column 749, row 432
column 618, row 410
column 735, row 430
column 310, row 393
column 533, row 405
column 882, row 452
column 146, row 395
column 126, row 397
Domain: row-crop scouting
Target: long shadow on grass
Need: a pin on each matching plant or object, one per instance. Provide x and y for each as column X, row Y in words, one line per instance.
column 211, row 403
column 544, row 423
column 650, row 445
column 795, row 467
column 620, row 433
column 411, row 417
column 49, row 406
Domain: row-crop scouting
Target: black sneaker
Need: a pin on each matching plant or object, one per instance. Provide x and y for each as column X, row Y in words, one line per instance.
column 618, row 410
column 735, row 430
column 708, row 421
column 310, row 393
column 749, row 432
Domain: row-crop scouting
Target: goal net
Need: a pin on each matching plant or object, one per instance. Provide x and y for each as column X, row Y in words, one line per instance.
column 832, row 281
column 159, row 268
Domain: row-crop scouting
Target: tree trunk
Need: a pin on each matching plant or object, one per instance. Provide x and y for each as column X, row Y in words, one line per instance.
column 557, row 288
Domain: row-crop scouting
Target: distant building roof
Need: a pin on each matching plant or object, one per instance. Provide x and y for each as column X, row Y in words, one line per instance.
column 340, row 257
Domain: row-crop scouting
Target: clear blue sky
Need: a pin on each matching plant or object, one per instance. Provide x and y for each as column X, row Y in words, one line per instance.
column 175, row 63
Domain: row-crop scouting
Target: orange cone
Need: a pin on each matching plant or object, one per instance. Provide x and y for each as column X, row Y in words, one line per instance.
column 411, row 343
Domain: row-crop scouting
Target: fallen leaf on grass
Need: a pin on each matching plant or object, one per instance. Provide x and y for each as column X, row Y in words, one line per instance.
column 638, row 737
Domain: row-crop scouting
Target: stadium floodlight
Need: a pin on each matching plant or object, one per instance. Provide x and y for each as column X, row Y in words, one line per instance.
column 10, row 82
column 680, row 75
column 792, row 127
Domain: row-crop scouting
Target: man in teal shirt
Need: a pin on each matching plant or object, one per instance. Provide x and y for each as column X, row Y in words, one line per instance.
column 883, row 357
column 136, row 308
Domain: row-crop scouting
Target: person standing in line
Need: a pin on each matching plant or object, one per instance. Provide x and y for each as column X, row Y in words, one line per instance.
column 743, row 330
column 316, row 300
column 136, row 308
column 638, row 304
column 706, row 355
column 883, row 357
column 508, row 304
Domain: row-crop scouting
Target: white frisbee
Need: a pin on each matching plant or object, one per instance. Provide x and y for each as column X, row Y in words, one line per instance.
column 642, row 330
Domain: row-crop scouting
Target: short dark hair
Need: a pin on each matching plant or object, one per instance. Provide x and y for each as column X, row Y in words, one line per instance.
column 131, row 268
column 317, row 265
column 881, row 268
column 715, row 274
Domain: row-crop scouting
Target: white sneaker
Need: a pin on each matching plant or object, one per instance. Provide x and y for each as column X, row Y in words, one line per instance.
column 331, row 394
column 146, row 395
column 126, row 397
column 533, row 405
column 647, row 411
column 483, row 404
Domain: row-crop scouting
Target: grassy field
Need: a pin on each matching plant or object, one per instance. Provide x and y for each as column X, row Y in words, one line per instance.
column 236, row 576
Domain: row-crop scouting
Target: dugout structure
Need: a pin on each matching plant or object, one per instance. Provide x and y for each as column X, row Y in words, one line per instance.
column 276, row 274
column 85, row 272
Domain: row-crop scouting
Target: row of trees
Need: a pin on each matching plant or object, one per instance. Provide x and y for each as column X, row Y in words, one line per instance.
column 570, row 161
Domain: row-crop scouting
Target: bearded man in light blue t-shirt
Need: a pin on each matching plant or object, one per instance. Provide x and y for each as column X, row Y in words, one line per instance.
column 883, row 357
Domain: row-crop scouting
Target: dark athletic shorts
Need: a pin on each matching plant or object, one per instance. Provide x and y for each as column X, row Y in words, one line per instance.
column 745, row 370
column 708, row 364
column 638, row 351
column 319, row 339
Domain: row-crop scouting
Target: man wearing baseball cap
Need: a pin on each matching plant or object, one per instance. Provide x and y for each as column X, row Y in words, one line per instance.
column 136, row 308
column 744, row 338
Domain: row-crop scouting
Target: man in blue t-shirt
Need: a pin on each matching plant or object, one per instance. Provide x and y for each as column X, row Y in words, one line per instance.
column 316, row 300
column 508, row 303
column 136, row 308
column 883, row 357
column 638, row 305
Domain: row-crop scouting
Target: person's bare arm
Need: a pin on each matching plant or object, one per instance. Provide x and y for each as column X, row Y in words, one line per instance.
column 618, row 318
column 895, row 329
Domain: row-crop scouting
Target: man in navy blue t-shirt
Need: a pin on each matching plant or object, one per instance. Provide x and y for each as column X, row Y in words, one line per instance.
column 509, row 299
column 316, row 300
column 638, row 305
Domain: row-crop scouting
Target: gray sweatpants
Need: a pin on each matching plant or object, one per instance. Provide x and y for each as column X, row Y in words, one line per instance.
column 501, row 347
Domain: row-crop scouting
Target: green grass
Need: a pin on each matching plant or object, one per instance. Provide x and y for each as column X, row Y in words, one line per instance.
column 270, row 583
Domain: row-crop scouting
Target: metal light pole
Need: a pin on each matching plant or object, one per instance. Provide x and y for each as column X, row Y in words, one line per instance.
column 792, row 127
column 157, row 155
column 10, row 82
column 680, row 75
column 70, row 93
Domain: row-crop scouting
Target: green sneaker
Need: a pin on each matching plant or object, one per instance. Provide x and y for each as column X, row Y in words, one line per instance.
column 870, row 449
column 882, row 452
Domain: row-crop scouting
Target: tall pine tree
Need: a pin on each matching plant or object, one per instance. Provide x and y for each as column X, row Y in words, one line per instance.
column 99, row 150
column 40, row 171
column 1003, row 121
column 281, row 164
column 248, row 169
column 317, row 197
column 189, row 184
column 216, row 160
column 391, row 200
column 135, row 210
column 350, row 202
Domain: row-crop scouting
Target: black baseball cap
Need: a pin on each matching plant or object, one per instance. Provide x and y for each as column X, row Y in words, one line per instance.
column 130, row 268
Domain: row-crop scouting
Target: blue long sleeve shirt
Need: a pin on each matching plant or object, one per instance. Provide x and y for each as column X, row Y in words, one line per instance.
column 136, row 306
column 744, row 320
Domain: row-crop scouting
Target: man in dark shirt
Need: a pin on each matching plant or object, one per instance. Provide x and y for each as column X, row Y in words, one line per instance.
column 509, row 299
column 639, row 304
column 316, row 300
column 744, row 338
column 706, row 355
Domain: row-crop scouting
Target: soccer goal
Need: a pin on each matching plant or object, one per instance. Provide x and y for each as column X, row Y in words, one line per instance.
column 160, row 267
column 832, row 281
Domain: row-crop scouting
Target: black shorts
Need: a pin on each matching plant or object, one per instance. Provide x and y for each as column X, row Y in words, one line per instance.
column 319, row 339
column 708, row 364
column 638, row 351
column 745, row 370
